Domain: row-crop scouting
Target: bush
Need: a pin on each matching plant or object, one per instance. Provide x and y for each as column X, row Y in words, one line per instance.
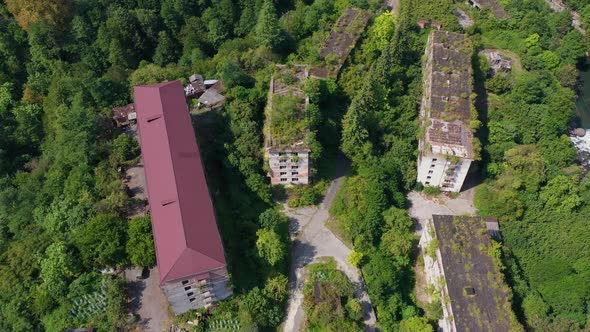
column 304, row 196
column 140, row 245
column 432, row 191
column 355, row 258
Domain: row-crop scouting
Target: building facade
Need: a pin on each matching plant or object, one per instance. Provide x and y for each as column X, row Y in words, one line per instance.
column 446, row 141
column 289, row 166
column 189, row 251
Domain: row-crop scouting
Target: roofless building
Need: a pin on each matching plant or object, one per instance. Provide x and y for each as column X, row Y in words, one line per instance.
column 447, row 145
column 286, row 126
column 189, row 250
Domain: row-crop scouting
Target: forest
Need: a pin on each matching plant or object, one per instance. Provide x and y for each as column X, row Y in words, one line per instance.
column 63, row 206
column 64, row 64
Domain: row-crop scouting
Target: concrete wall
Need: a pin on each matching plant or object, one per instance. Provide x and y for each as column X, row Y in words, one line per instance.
column 285, row 170
column 195, row 292
column 435, row 275
column 438, row 171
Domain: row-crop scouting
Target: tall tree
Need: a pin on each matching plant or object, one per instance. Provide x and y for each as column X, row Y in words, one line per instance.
column 27, row 12
column 101, row 241
column 268, row 31
column 140, row 246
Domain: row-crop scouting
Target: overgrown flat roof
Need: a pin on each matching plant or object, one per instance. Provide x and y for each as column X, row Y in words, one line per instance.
column 447, row 102
column 479, row 297
column 286, row 125
column 495, row 7
column 343, row 37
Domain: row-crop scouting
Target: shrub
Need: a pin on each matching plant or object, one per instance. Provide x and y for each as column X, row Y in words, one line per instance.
column 432, row 191
column 355, row 258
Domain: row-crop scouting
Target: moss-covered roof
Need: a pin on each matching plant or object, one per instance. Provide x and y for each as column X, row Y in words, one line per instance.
column 343, row 37
column 447, row 102
column 478, row 294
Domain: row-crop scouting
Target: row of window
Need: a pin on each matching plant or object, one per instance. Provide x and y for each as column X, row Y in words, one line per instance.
column 292, row 173
column 285, row 167
column 190, row 296
column 291, row 154
column 292, row 180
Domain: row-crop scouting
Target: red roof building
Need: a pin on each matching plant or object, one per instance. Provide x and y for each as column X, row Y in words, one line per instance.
column 188, row 245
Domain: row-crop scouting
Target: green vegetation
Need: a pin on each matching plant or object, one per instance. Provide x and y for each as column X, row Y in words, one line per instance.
column 328, row 300
column 288, row 122
column 140, row 246
column 64, row 208
column 534, row 186
column 379, row 136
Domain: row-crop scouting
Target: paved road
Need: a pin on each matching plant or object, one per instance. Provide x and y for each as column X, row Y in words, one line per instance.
column 423, row 207
column 148, row 301
column 313, row 240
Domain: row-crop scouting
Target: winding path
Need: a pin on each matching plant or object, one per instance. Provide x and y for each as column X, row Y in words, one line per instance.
column 312, row 240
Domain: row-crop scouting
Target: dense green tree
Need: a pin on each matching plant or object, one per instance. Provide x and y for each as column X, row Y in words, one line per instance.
column 27, row 12
column 165, row 53
column 261, row 309
column 101, row 241
column 275, row 220
column 125, row 148
column 268, row 32
column 56, row 268
column 270, row 247
column 140, row 244
column 560, row 194
column 415, row 324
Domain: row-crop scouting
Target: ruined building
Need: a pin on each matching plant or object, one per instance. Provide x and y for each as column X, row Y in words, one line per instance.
column 286, row 127
column 464, row 275
column 494, row 6
column 189, row 251
column 446, row 142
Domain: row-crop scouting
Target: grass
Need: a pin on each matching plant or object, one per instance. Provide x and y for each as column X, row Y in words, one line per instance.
column 337, row 228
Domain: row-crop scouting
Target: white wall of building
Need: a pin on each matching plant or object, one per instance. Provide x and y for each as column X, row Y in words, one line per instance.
column 284, row 169
column 438, row 171
column 435, row 276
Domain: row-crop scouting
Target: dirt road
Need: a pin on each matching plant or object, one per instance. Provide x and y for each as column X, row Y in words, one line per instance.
column 313, row 240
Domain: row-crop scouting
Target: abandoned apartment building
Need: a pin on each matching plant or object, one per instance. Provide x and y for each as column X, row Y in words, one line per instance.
column 446, row 141
column 286, row 126
column 342, row 39
column 463, row 276
column 189, row 251
column 494, row 6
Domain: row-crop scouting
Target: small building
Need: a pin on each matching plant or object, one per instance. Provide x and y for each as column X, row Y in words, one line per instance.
column 467, row 282
column 124, row 115
column 189, row 251
column 446, row 141
column 213, row 97
column 195, row 87
column 493, row 5
column 286, row 128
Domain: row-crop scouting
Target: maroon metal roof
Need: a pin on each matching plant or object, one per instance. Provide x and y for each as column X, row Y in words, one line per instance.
column 185, row 231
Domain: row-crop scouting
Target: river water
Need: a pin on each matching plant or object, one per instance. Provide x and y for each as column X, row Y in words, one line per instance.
column 583, row 113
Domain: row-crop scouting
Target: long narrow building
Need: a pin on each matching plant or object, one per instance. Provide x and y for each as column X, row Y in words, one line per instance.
column 447, row 145
column 464, row 275
column 189, row 250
